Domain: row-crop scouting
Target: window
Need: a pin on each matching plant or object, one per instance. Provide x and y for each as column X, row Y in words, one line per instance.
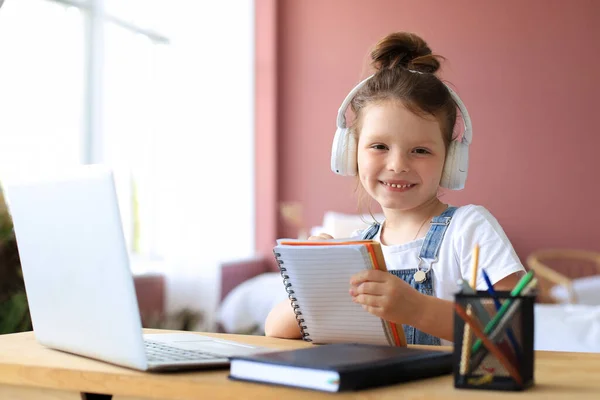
column 160, row 90
column 42, row 85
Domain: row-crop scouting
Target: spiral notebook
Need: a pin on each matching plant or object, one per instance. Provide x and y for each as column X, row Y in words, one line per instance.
column 316, row 276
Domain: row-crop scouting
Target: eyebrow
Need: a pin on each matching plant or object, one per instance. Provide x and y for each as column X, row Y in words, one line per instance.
column 427, row 142
column 376, row 137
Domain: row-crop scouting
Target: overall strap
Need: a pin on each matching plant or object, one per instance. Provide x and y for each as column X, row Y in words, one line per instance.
column 435, row 235
column 371, row 231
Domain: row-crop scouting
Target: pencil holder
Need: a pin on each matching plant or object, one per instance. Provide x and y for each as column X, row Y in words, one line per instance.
column 503, row 359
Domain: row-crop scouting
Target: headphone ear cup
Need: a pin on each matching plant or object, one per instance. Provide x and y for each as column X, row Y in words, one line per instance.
column 351, row 149
column 343, row 153
column 456, row 166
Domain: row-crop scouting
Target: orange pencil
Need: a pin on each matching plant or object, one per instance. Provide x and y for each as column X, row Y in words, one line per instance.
column 492, row 348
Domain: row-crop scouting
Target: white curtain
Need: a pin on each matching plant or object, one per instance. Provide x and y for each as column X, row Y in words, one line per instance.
column 200, row 205
column 41, row 85
column 174, row 118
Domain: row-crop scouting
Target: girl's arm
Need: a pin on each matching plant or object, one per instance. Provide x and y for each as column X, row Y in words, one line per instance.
column 436, row 316
column 281, row 322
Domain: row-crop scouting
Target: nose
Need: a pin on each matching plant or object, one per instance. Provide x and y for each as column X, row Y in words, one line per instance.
column 398, row 162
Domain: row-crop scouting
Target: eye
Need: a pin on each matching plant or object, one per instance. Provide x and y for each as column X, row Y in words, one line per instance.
column 379, row 146
column 421, row 150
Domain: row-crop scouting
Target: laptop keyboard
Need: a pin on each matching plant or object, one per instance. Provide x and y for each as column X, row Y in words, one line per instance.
column 159, row 352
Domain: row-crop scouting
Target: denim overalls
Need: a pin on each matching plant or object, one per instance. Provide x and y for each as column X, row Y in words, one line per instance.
column 427, row 257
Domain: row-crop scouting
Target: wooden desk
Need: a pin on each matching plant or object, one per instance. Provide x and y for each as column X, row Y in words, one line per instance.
column 31, row 371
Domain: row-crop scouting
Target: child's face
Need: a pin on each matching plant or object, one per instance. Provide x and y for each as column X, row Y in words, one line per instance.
column 398, row 147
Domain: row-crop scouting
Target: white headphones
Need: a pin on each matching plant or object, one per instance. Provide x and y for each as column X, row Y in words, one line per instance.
column 343, row 151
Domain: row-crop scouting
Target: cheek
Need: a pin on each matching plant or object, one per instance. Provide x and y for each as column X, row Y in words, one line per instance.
column 365, row 165
column 435, row 172
column 361, row 161
column 364, row 168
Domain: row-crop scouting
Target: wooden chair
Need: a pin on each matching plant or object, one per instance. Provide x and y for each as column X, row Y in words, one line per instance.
column 560, row 267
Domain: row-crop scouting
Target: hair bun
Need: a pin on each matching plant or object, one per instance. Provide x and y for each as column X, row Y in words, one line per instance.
column 404, row 49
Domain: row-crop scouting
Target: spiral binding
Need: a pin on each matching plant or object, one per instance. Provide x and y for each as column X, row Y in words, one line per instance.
column 293, row 299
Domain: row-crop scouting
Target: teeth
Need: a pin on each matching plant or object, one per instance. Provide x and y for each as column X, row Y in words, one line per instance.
column 397, row 186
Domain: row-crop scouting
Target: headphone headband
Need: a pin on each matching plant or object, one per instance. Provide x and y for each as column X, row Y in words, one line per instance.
column 467, row 136
column 341, row 118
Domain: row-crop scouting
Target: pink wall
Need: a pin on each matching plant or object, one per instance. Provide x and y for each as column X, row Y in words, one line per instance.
column 525, row 69
column 266, row 142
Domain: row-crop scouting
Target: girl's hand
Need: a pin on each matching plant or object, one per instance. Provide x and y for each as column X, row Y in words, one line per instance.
column 386, row 296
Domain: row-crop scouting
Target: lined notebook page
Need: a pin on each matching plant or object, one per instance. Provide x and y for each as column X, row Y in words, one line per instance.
column 320, row 279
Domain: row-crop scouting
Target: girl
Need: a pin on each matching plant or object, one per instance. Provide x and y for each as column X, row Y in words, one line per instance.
column 402, row 148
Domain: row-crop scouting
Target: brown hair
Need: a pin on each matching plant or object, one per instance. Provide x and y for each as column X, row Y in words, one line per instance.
column 405, row 71
column 405, row 68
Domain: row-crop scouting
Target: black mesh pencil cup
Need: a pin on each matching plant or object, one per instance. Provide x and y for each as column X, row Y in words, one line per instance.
column 493, row 341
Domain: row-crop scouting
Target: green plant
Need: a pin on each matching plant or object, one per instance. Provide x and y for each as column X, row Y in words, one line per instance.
column 14, row 310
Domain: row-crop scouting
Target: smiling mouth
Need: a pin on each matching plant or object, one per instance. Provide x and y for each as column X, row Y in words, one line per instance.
column 398, row 185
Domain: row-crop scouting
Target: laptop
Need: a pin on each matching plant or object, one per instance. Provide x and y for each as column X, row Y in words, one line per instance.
column 78, row 280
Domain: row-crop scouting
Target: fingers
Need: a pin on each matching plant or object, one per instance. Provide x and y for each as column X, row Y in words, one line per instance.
column 321, row 236
column 369, row 275
column 369, row 303
column 366, row 300
column 372, row 288
column 376, row 311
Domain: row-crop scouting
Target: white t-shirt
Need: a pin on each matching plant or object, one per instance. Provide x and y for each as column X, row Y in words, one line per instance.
column 470, row 225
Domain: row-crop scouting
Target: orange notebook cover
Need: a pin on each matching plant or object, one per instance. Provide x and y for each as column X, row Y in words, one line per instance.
column 316, row 275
